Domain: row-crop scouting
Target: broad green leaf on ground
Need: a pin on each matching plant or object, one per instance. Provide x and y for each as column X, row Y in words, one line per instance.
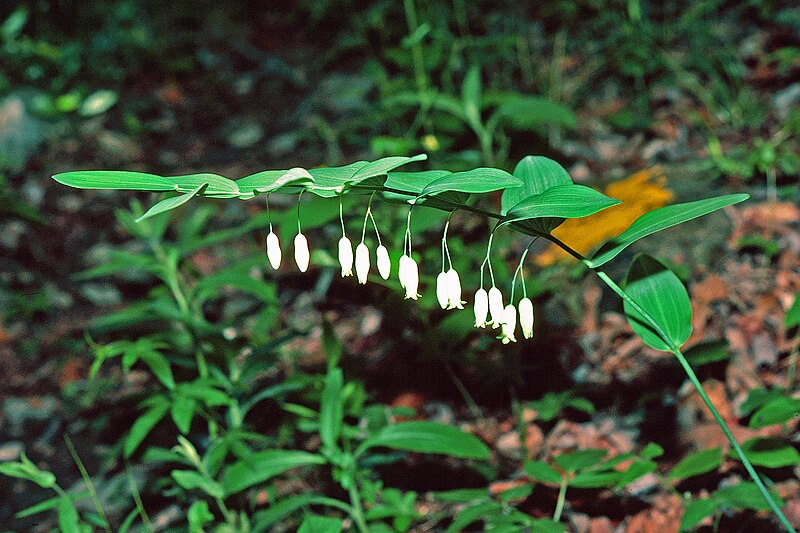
column 331, row 409
column 530, row 113
column 744, row 495
column 320, row 524
column 659, row 292
column 591, row 479
column 427, row 437
column 261, row 466
column 792, row 318
column 471, row 97
column 142, row 426
column 758, row 397
column 659, row 219
column 68, row 518
column 217, row 186
column 542, row 472
column 770, row 452
column 477, row 180
column 778, row 410
column 579, row 459
column 705, row 352
column 167, row 204
column 115, row 179
column 562, row 201
column 696, row 464
column 695, row 511
column 651, row 451
column 279, row 510
column 26, row 469
column 190, row 480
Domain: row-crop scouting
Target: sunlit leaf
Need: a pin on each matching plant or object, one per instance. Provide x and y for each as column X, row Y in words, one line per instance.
column 660, row 219
column 642, row 192
column 478, row 180
column 115, row 179
column 562, row 201
column 217, row 186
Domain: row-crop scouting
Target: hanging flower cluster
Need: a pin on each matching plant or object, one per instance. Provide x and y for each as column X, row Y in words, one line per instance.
column 488, row 308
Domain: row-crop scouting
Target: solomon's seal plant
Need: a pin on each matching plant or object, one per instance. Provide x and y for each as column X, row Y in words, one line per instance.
column 536, row 198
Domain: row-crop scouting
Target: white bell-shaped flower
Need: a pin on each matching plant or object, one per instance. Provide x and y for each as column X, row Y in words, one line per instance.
column 495, row 307
column 384, row 264
column 301, row 253
column 481, row 308
column 346, row 256
column 409, row 276
column 526, row 317
column 442, row 290
column 509, row 324
column 362, row 263
column 273, row 250
column 454, row 290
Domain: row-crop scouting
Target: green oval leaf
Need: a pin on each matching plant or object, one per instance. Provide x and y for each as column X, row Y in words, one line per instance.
column 659, row 219
column 477, row 180
column 171, row 203
column 272, row 180
column 538, row 173
column 563, row 201
column 542, row 472
column 143, row 425
column 217, row 186
column 115, row 179
column 261, row 466
column 697, row 463
column 776, row 411
column 695, row 511
column 331, row 409
column 659, row 292
column 579, row 459
column 427, row 437
column 333, row 181
column 770, row 452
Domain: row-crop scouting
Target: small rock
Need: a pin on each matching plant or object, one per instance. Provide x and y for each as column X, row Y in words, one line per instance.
column 509, row 445
column 101, row 293
column 10, row 451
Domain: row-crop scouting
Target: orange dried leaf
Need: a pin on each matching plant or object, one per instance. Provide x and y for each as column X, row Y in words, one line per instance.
column 642, row 192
